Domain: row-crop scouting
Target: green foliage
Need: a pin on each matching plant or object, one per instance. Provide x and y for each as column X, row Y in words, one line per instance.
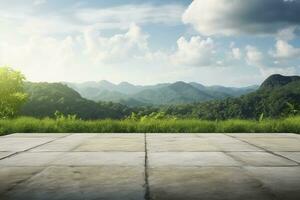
column 275, row 99
column 261, row 117
column 61, row 117
column 273, row 102
column 47, row 98
column 292, row 110
column 47, row 125
column 12, row 95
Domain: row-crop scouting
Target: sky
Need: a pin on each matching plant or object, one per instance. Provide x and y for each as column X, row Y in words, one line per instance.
column 213, row 42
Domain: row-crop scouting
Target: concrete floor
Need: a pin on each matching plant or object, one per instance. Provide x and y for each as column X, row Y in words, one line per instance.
column 150, row 166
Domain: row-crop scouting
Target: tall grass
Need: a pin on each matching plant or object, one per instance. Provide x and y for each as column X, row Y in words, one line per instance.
column 32, row 125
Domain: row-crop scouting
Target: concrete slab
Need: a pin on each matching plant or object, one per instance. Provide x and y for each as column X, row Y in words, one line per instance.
column 291, row 155
column 231, row 144
column 30, row 159
column 200, row 143
column 11, row 176
column 261, row 159
column 204, row 183
column 65, row 144
column 5, row 154
column 21, row 144
column 120, row 135
column 264, row 135
column 179, row 166
column 74, row 183
column 37, row 135
column 275, row 144
column 284, row 182
column 128, row 144
column 101, row 159
column 213, row 135
column 180, row 144
column 171, row 135
column 190, row 159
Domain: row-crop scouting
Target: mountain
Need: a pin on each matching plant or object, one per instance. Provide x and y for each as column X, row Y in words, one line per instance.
column 277, row 80
column 47, row 98
column 160, row 94
column 278, row 96
column 176, row 93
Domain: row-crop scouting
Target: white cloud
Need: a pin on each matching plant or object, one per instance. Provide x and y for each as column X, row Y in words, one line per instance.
column 236, row 53
column 41, row 57
column 285, row 51
column 228, row 17
column 49, row 58
column 122, row 16
column 118, row 48
column 196, row 52
column 287, row 34
column 27, row 19
column 254, row 56
column 39, row 2
column 263, row 62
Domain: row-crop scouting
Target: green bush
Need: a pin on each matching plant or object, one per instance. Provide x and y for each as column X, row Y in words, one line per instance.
column 73, row 125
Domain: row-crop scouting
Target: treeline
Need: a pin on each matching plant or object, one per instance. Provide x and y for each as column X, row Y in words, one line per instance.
column 45, row 99
column 267, row 102
column 279, row 96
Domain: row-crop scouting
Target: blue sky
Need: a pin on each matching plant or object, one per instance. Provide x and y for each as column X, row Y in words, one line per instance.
column 224, row 42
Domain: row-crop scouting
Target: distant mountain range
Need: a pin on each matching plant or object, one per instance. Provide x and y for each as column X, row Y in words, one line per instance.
column 277, row 96
column 47, row 98
column 160, row 94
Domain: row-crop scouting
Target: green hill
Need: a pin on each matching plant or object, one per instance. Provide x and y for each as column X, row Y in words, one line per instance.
column 278, row 80
column 160, row 94
column 47, row 98
column 278, row 96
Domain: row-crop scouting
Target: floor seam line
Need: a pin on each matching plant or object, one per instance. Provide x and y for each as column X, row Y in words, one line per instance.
column 147, row 187
column 26, row 150
column 266, row 150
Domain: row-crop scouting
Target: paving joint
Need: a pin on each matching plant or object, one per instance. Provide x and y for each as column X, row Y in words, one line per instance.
column 266, row 150
column 34, row 174
column 26, row 150
column 147, row 187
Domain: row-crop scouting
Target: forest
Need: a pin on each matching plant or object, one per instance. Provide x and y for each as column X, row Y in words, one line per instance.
column 56, row 107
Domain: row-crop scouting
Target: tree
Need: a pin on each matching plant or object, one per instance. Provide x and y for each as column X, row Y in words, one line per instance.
column 12, row 95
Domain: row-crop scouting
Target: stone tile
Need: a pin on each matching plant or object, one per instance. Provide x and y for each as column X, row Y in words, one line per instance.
column 190, row 159
column 231, row 144
column 113, row 144
column 112, row 183
column 36, row 135
column 65, row 144
column 275, row 144
column 120, row 135
column 213, row 135
column 30, row 159
column 171, row 135
column 261, row 159
column 101, row 158
column 284, row 182
column 180, row 144
column 291, row 155
column 192, row 183
column 264, row 135
column 5, row 154
column 11, row 176
column 200, row 143
column 21, row 144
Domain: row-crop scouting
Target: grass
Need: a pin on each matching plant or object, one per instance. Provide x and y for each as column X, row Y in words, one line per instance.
column 33, row 125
